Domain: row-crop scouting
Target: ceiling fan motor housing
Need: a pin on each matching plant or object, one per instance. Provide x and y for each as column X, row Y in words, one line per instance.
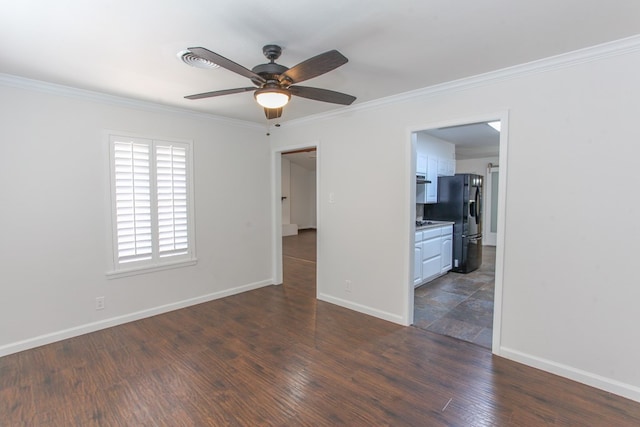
column 269, row 71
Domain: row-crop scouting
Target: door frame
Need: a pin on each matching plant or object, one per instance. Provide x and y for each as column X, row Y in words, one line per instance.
column 503, row 116
column 276, row 208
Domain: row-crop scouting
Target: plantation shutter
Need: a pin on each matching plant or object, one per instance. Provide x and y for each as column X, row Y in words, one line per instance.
column 171, row 193
column 132, row 199
column 151, row 203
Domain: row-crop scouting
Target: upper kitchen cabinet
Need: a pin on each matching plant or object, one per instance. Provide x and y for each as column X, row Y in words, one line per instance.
column 427, row 167
column 421, row 164
column 434, row 158
column 432, row 175
column 446, row 167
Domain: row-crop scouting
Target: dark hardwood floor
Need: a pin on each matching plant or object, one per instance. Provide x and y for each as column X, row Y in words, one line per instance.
column 277, row 356
column 300, row 246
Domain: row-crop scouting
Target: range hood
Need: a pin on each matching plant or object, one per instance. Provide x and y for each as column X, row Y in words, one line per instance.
column 422, row 179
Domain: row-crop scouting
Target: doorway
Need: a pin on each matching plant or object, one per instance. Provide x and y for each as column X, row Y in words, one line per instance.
column 468, row 306
column 295, row 209
column 298, row 172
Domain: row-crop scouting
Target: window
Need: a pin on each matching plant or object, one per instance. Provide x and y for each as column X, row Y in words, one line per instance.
column 151, row 203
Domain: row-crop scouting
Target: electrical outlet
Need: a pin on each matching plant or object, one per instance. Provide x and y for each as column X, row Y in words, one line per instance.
column 100, row 303
column 347, row 285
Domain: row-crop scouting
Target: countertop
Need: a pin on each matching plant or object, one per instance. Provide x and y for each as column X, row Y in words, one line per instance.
column 433, row 224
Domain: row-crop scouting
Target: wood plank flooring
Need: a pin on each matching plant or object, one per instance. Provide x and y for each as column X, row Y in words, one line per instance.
column 278, row 357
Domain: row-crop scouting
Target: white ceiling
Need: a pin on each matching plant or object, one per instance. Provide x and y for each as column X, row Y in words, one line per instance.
column 128, row 48
column 472, row 141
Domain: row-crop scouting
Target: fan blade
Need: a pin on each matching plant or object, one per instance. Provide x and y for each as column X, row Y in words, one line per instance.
column 273, row 113
column 322, row 95
column 226, row 63
column 315, row 66
column 220, row 93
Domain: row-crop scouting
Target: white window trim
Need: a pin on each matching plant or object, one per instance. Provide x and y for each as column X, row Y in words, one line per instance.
column 118, row 270
column 116, row 274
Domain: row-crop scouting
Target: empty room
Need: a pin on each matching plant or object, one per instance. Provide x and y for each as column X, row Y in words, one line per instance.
column 160, row 266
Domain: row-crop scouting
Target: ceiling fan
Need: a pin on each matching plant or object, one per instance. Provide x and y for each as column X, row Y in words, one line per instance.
column 274, row 83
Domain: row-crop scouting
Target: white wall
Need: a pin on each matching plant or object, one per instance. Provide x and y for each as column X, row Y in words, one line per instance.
column 303, row 196
column 55, row 215
column 570, row 283
column 476, row 166
column 299, row 188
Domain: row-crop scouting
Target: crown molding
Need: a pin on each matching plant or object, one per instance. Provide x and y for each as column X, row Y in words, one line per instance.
column 68, row 91
column 565, row 60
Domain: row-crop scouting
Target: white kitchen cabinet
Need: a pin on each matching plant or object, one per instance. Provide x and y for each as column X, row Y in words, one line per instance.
column 427, row 193
column 433, row 253
column 442, row 167
column 421, row 164
column 431, row 268
column 431, row 243
column 446, row 167
column 431, row 195
column 431, row 247
column 446, row 249
column 417, row 279
column 417, row 275
column 451, row 168
column 421, row 169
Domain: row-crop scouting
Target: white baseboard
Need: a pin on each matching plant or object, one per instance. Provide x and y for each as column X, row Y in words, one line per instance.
column 289, row 229
column 362, row 309
column 119, row 320
column 608, row 384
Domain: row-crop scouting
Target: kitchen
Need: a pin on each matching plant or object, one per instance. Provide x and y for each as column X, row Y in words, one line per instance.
column 454, row 268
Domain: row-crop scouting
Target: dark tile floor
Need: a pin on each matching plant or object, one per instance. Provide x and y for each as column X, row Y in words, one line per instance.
column 460, row 305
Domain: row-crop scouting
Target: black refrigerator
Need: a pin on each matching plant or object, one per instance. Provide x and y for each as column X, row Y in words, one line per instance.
column 460, row 201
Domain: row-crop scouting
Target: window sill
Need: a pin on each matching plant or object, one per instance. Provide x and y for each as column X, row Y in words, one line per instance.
column 117, row 274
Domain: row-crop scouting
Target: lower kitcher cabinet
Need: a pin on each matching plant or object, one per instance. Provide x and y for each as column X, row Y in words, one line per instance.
column 417, row 274
column 417, row 260
column 433, row 254
column 431, row 248
column 446, row 254
column 431, row 268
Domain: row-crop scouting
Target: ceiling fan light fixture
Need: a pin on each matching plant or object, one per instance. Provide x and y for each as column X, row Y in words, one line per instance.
column 272, row 82
column 194, row 60
column 272, row 97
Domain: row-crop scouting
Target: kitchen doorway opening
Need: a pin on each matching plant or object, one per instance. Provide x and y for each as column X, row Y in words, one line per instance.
column 296, row 214
column 462, row 303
